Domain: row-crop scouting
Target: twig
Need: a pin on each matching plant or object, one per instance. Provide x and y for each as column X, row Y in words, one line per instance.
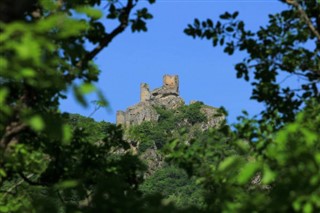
column 26, row 179
column 15, row 185
column 109, row 37
column 304, row 17
column 60, row 197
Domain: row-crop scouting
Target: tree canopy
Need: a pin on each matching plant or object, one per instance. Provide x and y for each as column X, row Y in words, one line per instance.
column 59, row 162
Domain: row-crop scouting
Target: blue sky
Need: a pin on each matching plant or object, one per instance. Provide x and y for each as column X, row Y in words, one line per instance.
column 206, row 73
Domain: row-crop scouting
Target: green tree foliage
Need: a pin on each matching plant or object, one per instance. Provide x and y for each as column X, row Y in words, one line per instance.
column 266, row 171
column 169, row 181
column 175, row 185
column 56, row 162
column 170, row 121
column 50, row 161
column 287, row 47
column 270, row 163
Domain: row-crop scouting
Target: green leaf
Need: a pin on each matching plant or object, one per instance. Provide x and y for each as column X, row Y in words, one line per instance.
column 209, row 22
column 317, row 157
column 91, row 12
column 3, row 95
column 49, row 5
column 243, row 145
column 229, row 29
column 226, row 15
column 309, row 137
column 196, row 22
column 66, row 134
column 297, row 205
column 247, row 172
column 235, row 14
column 2, row 173
column 67, row 184
column 28, row 73
column 307, row 208
column 36, row 123
column 87, row 88
column 3, row 64
column 4, row 209
column 268, row 175
column 227, row 163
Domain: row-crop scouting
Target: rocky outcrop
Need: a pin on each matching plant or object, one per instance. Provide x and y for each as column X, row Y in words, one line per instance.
column 153, row 159
column 214, row 118
column 166, row 97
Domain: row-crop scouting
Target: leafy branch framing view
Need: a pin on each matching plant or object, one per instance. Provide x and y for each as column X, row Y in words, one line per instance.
column 60, row 162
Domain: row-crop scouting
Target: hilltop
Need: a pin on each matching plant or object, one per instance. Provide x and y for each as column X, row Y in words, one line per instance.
column 166, row 97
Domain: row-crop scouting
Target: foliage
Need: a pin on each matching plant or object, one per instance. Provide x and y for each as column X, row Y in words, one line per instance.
column 192, row 113
column 169, row 181
column 96, row 131
column 272, row 171
column 268, row 163
column 57, row 162
column 76, row 172
column 175, row 185
column 170, row 121
column 288, row 46
column 50, row 160
column 147, row 134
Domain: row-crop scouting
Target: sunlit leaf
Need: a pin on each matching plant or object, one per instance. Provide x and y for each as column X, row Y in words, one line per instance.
column 2, row 173
column 87, row 88
column 228, row 162
column 268, row 175
column 67, row 134
column 67, row 184
column 247, row 172
column 307, row 208
column 36, row 122
column 27, row 72
column 91, row 12
column 3, row 95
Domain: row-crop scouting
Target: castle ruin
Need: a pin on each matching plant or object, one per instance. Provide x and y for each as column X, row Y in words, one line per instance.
column 167, row 96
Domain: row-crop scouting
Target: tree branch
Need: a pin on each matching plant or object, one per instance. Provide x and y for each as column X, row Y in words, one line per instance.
column 9, row 191
column 124, row 21
column 11, row 131
column 26, row 179
column 304, row 17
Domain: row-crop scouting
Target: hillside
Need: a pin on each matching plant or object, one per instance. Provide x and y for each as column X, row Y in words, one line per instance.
column 160, row 117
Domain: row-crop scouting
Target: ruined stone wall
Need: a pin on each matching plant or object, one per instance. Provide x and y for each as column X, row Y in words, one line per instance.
column 171, row 82
column 144, row 92
column 120, row 119
column 166, row 96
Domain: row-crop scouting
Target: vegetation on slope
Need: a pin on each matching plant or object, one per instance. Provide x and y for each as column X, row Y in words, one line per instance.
column 268, row 163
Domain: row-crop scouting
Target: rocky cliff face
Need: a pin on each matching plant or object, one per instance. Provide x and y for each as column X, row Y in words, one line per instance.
column 166, row 97
column 196, row 116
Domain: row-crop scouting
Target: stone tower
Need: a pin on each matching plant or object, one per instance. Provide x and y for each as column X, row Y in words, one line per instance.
column 144, row 92
column 171, row 82
column 166, row 96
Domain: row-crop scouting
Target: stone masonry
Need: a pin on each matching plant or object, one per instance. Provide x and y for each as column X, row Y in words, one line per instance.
column 167, row 96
